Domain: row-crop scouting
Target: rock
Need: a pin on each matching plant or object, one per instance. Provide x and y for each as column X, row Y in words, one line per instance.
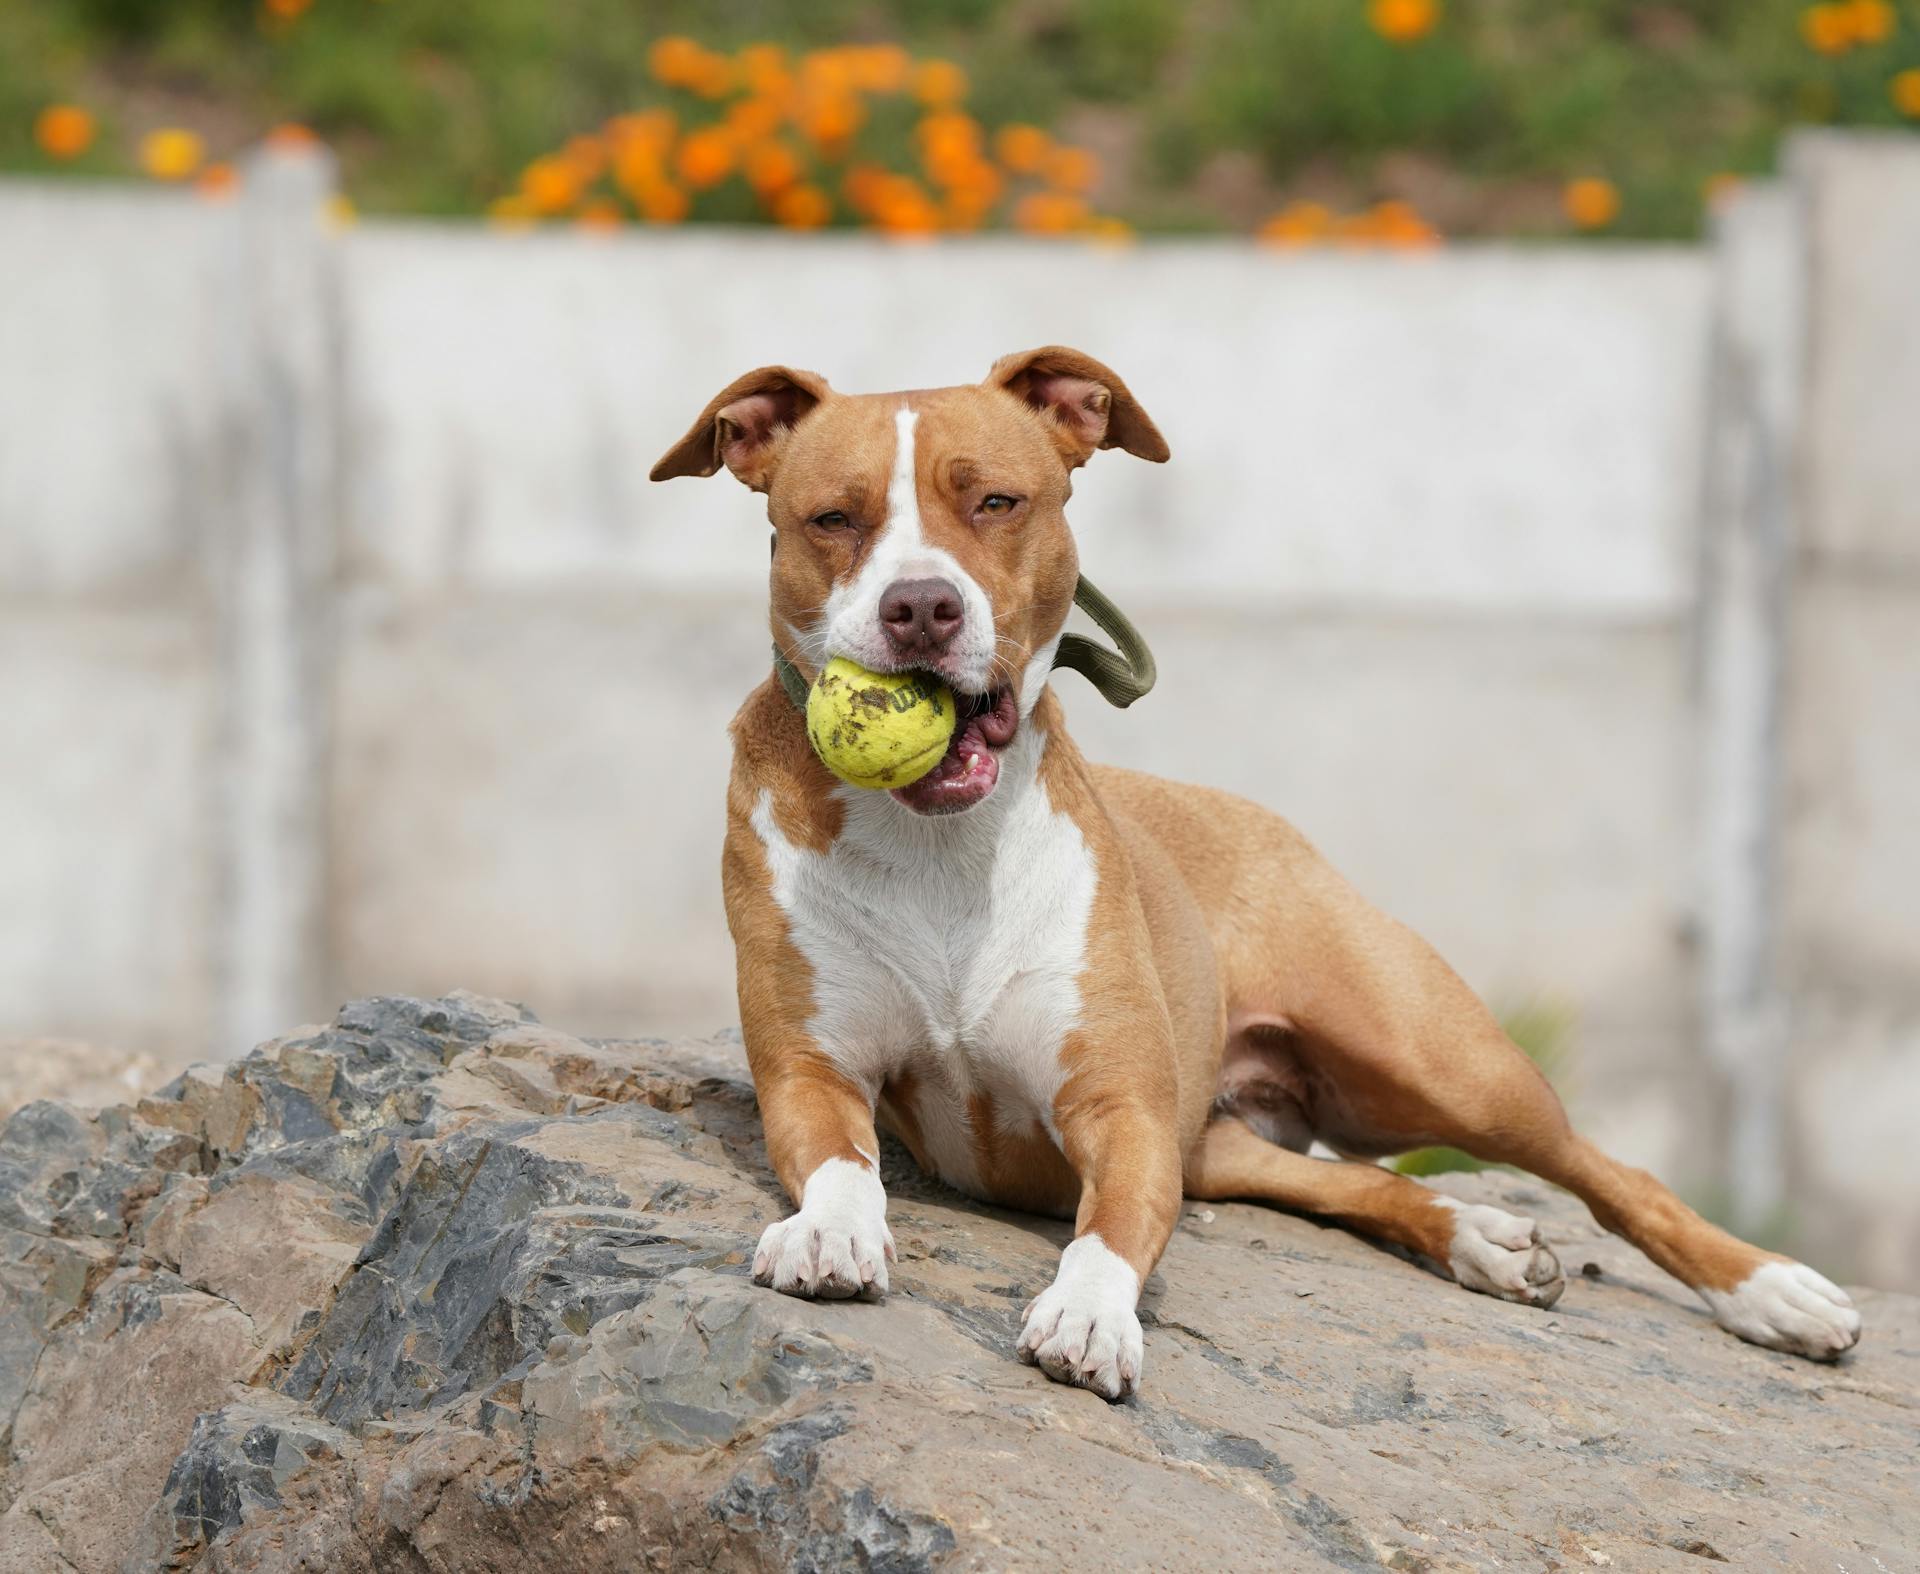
column 436, row 1288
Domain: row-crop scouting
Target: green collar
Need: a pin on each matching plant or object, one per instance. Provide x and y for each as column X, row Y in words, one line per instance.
column 1121, row 676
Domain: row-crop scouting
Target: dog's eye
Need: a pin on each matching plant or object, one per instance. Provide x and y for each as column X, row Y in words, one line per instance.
column 997, row 503
column 832, row 519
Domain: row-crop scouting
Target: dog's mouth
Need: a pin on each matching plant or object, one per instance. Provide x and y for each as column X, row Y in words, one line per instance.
column 970, row 768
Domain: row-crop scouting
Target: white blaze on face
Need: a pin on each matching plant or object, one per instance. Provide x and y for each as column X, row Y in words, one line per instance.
column 850, row 621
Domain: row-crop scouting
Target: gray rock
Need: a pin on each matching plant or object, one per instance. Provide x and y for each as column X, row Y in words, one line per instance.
column 436, row 1288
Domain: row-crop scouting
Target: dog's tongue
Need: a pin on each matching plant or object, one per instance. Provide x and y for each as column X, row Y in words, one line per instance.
column 968, row 770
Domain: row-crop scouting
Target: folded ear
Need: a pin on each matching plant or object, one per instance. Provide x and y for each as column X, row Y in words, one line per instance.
column 1090, row 407
column 742, row 425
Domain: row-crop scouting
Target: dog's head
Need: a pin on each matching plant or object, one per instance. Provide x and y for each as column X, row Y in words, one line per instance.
column 925, row 530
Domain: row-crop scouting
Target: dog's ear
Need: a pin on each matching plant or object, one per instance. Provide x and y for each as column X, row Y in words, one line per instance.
column 742, row 425
column 1090, row 407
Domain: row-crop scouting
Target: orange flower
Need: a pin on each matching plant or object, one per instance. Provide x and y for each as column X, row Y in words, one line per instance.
column 908, row 215
column 950, row 147
column 588, row 156
column 962, row 211
column 640, row 144
column 1399, row 225
column 949, row 130
column 825, row 73
column 763, row 67
column 1049, row 213
column 1592, row 203
column 863, row 186
column 663, row 203
column 1874, row 21
column 1073, row 169
column 285, row 10
column 550, row 185
column 1829, row 28
column 1905, row 91
column 705, row 157
column 802, row 208
column 63, row 130
column 831, row 122
column 1403, row 21
column 939, row 83
column 654, row 128
column 882, row 68
column 291, row 137
column 1023, row 149
column 171, row 153
column 974, row 185
column 751, row 119
column 714, row 78
column 217, row 182
column 1297, row 224
column 771, row 167
column 675, row 61
column 600, row 215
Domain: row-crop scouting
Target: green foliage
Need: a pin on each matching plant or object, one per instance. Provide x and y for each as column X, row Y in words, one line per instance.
column 436, row 105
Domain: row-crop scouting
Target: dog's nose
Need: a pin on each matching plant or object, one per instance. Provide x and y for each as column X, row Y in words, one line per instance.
column 921, row 615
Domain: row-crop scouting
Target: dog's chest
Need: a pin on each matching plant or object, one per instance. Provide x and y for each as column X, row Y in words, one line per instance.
column 946, row 959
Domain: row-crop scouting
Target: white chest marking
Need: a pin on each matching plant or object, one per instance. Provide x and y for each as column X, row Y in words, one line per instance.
column 849, row 624
column 951, row 948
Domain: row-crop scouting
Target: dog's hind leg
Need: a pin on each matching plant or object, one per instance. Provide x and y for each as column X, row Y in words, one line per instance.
column 1484, row 1249
column 1397, row 1052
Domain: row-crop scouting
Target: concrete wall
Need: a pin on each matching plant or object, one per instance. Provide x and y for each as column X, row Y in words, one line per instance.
column 110, row 438
column 350, row 649
column 1850, row 845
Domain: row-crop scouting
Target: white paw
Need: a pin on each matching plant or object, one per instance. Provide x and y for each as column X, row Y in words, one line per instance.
column 1083, row 1328
column 838, row 1244
column 1787, row 1306
column 1499, row 1253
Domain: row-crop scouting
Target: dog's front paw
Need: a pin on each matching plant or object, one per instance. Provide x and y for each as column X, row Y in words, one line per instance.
column 1787, row 1306
column 1083, row 1328
column 838, row 1244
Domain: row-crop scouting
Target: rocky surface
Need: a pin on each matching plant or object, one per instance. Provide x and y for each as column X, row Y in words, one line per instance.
column 436, row 1288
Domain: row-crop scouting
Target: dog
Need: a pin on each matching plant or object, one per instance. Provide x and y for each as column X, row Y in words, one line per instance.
column 1077, row 990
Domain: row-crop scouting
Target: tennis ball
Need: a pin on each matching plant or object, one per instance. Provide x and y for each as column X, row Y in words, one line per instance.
column 878, row 729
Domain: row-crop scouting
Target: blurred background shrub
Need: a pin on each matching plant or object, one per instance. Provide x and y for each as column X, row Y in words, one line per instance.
column 1351, row 121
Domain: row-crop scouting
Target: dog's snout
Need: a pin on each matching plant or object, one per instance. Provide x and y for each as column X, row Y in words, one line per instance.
column 921, row 615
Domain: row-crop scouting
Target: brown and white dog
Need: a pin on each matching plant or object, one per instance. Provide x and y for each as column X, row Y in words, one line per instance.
column 1072, row 989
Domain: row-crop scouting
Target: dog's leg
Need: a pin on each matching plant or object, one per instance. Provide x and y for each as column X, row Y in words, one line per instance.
column 821, row 1142
column 1485, row 1249
column 1761, row 1296
column 1413, row 1057
column 1084, row 1328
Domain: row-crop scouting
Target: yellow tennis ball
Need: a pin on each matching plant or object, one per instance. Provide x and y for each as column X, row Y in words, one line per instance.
column 878, row 729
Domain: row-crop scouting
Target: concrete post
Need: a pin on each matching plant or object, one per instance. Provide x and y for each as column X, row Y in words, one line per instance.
column 1755, row 389
column 276, row 533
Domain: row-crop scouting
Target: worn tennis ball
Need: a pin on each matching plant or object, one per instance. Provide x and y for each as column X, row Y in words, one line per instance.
column 878, row 729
